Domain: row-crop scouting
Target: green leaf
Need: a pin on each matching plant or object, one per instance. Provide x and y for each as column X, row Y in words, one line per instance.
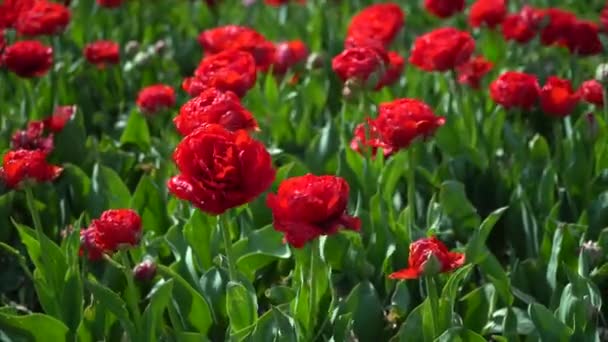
column 492, row 269
column 136, row 132
column 410, row 329
column 275, row 325
column 108, row 191
column 476, row 248
column 260, row 248
column 547, row 326
column 364, row 303
column 72, row 298
column 189, row 303
column 150, row 204
column 241, row 306
column 34, row 327
column 112, row 302
column 159, row 297
column 70, row 143
column 198, row 232
column 462, row 213
column 214, row 283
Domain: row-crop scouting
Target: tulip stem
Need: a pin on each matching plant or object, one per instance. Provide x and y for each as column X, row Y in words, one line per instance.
column 131, row 291
column 29, row 198
column 411, row 190
column 431, row 292
column 221, row 223
column 311, row 285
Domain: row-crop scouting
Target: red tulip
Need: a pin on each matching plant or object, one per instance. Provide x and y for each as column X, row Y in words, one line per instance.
column 309, row 206
column 102, row 53
column 592, row 92
column 109, row 3
column 153, row 98
column 393, row 71
column 32, row 138
column 360, row 63
column 442, row 49
column 471, row 72
column 28, row 58
column 487, row 12
column 444, row 8
column 43, row 18
column 115, row 228
column 288, row 54
column 515, row 89
column 60, row 117
column 522, row 26
column 379, row 22
column 220, row 170
column 557, row 98
column 214, row 107
column 429, row 256
column 21, row 165
column 11, row 9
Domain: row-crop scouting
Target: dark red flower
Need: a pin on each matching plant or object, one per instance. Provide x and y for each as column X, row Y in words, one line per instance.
column 102, row 53
column 43, row 18
column 220, row 170
column 145, row 270
column 113, row 229
column 89, row 246
column 584, row 38
column 379, row 22
column 28, row 58
column 487, row 12
column 288, row 54
column 557, row 31
column 393, row 69
column 471, row 72
column 444, row 8
column 557, row 98
column 231, row 70
column 109, row 3
column 153, row 98
column 401, row 121
column 592, row 92
column 522, row 26
column 234, row 37
column 32, row 138
column 60, row 117
column 309, row 206
column 604, row 18
column 11, row 9
column 2, row 43
column 515, row 89
column 282, row 2
column 442, row 49
column 214, row 107
column 429, row 256
column 360, row 63
column 22, row 165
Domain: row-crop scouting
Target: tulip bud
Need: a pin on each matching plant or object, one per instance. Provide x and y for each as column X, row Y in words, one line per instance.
column 593, row 251
column 160, row 46
column 601, row 73
column 432, row 265
column 315, row 61
column 145, row 270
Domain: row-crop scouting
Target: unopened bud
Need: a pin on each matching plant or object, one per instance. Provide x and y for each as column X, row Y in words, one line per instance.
column 593, row 251
column 601, row 73
column 160, row 46
column 145, row 270
column 315, row 61
column 131, row 47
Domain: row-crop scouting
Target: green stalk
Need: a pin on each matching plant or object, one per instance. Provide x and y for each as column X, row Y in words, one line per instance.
column 411, row 190
column 431, row 292
column 311, row 285
column 131, row 292
column 228, row 246
column 29, row 198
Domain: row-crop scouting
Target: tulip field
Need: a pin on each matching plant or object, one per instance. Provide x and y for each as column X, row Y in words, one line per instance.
column 306, row 170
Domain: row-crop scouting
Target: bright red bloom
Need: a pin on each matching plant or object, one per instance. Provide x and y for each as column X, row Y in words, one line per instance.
column 2, row 44
column 515, row 89
column 214, row 107
column 401, row 121
column 102, row 53
column 379, row 22
column 429, row 256
column 558, row 30
column 365, row 136
column 43, row 18
column 394, row 68
column 522, row 26
column 359, row 63
column 56, row 122
column 557, row 98
column 444, row 8
column 109, row 3
column 32, row 138
column 113, row 229
column 592, row 92
column 220, row 170
column 487, row 12
column 231, row 70
column 28, row 58
column 288, row 54
column 153, row 98
column 309, row 206
column 442, row 49
column 11, row 9
column 21, row 165
column 471, row 72
column 234, row 37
